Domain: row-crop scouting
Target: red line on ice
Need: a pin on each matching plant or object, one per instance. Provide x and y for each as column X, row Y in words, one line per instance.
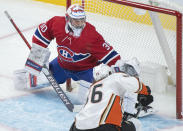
column 14, row 33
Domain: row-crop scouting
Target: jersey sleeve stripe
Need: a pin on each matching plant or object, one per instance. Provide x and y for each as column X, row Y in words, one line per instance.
column 140, row 86
column 104, row 114
column 35, row 36
column 109, row 57
column 112, row 59
column 112, row 113
column 106, row 55
column 40, row 37
column 43, row 35
column 115, row 114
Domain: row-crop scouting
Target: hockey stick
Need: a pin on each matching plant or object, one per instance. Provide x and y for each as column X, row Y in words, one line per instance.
column 48, row 74
column 138, row 110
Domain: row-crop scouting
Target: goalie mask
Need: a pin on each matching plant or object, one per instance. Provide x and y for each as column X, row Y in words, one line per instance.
column 101, row 71
column 75, row 17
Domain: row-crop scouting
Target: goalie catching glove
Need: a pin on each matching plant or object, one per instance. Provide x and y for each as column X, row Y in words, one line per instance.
column 38, row 57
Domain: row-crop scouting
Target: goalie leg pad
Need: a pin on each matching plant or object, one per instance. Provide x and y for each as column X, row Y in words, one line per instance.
column 20, row 79
column 25, row 81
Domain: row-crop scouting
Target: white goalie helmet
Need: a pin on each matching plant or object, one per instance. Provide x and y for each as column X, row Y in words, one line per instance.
column 76, row 16
column 76, row 12
column 101, row 71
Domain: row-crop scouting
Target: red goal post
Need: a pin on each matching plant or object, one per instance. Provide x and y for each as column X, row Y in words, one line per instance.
column 104, row 7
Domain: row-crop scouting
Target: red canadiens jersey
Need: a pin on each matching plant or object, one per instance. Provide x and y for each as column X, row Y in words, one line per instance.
column 75, row 53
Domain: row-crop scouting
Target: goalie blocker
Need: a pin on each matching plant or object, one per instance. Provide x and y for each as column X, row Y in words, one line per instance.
column 38, row 57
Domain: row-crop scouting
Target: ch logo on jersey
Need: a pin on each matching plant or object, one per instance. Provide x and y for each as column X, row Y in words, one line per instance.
column 68, row 55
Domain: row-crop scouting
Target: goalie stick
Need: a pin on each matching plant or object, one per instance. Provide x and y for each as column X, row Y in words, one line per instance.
column 48, row 74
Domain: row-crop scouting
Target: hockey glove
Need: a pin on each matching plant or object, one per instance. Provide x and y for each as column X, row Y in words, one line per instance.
column 37, row 58
column 145, row 99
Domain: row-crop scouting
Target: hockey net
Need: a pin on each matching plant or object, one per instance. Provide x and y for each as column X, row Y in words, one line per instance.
column 150, row 30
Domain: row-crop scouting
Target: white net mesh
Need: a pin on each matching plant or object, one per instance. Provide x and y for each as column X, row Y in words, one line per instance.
column 130, row 34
